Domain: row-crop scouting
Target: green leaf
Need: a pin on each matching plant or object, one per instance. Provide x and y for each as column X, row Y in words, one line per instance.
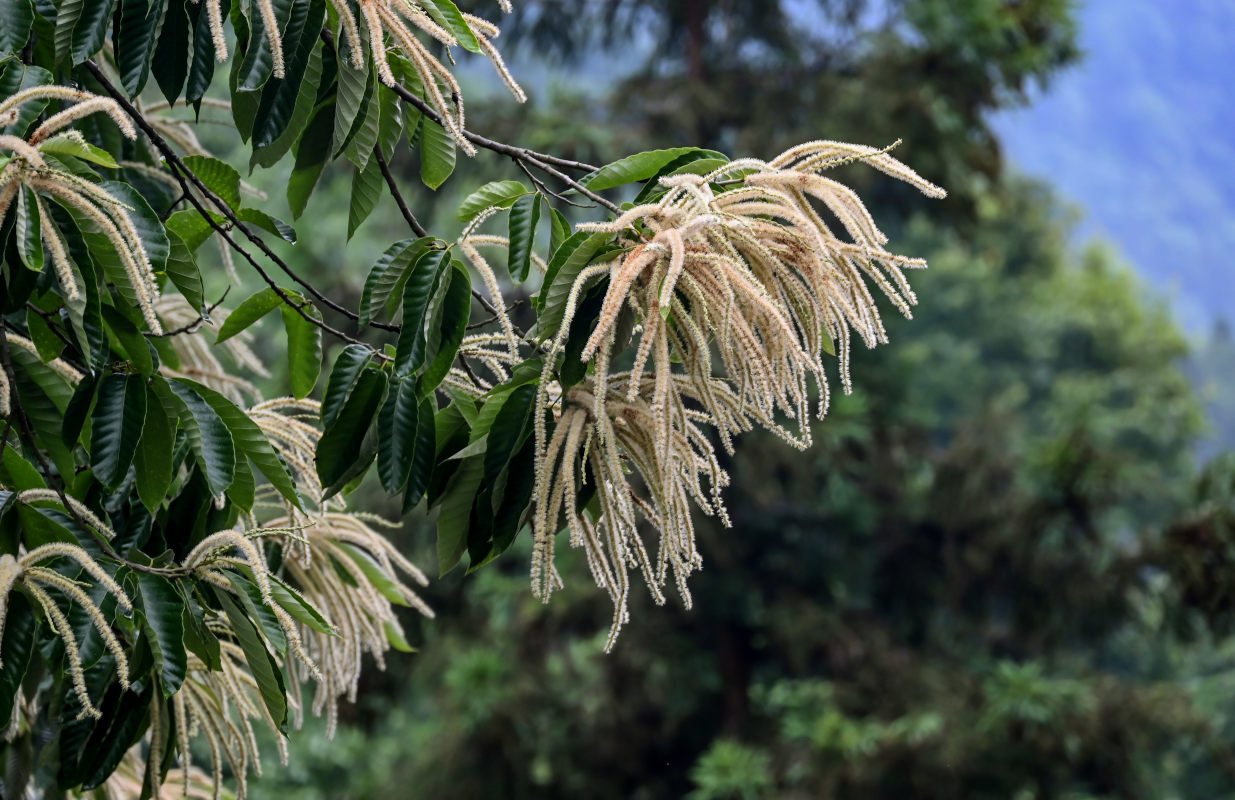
column 249, row 440
column 347, row 368
column 423, row 456
column 16, row 17
column 437, row 154
column 395, row 637
column 198, row 638
column 302, row 610
column 261, row 663
column 133, row 38
column 153, row 460
column 268, row 148
column 384, row 286
column 357, row 115
column 184, row 274
column 397, row 427
column 312, row 151
column 219, row 176
column 260, row 219
column 453, row 310
column 208, row 437
column 26, row 229
column 18, row 76
column 170, row 64
column 81, row 28
column 250, row 596
column 367, row 186
column 281, row 96
column 524, row 217
column 248, row 312
column 410, row 355
column 192, row 228
column 16, row 647
column 559, row 228
column 131, row 340
column 569, row 260
column 201, row 67
column 383, row 581
column 162, row 619
column 258, row 64
column 339, row 449
column 119, row 415
column 453, row 519
column 447, row 15
column 638, row 167
column 64, row 146
column 496, row 194
column 304, row 348
column 17, row 473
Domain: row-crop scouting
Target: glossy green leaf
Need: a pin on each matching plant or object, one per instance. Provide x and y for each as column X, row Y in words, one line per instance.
column 272, row 114
column 281, row 96
column 249, row 440
column 453, row 519
column 26, row 229
column 133, row 39
column 161, row 614
column 262, row 666
column 183, row 272
column 170, row 64
column 496, row 194
column 16, row 17
column 294, row 603
column 447, row 14
column 423, row 457
column 130, row 339
column 357, row 114
column 153, row 459
column 248, row 312
column 218, row 176
column 81, row 28
column 385, row 583
column 453, row 309
column 347, row 369
column 396, row 638
column 384, row 285
column 437, row 154
column 410, row 355
column 312, row 151
column 397, row 427
column 16, row 647
column 119, row 415
column 367, row 186
column 66, row 146
column 260, row 219
column 570, row 259
column 524, row 217
column 635, row 168
column 304, row 348
column 201, row 67
column 339, row 449
column 257, row 67
column 208, row 437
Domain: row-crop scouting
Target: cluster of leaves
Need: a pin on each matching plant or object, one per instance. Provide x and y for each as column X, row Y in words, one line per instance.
column 176, row 553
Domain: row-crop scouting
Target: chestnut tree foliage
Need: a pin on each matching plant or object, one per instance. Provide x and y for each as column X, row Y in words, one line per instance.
column 179, row 563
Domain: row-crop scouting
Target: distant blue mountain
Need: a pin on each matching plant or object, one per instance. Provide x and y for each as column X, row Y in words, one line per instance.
column 1142, row 137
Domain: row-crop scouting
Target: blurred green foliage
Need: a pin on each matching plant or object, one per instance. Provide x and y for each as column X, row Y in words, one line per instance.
column 998, row 573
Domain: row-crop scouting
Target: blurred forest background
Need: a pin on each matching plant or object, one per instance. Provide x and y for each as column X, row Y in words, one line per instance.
column 1007, row 567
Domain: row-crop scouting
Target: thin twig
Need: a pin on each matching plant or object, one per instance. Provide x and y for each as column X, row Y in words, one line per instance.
column 412, row 222
column 195, row 324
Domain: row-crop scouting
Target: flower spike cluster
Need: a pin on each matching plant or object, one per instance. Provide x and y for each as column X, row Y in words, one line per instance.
column 28, row 171
column 741, row 287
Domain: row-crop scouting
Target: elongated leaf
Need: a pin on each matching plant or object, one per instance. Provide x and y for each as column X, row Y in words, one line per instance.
column 410, row 355
column 248, row 312
column 357, row 114
column 454, row 308
column 184, row 274
column 339, row 449
column 446, row 14
column 559, row 228
column 294, row 603
column 66, row 146
column 496, row 194
column 453, row 520
column 119, row 415
column 397, row 427
column 569, row 260
column 134, row 344
column 26, row 229
column 524, row 217
column 437, row 154
column 271, row 117
column 81, row 28
column 201, row 67
column 312, row 151
column 260, row 219
column 170, row 64
column 638, row 167
column 133, row 36
column 261, row 663
column 16, row 647
column 347, row 368
column 249, row 440
column 208, row 437
column 219, row 176
column 250, row 598
column 161, row 612
column 16, row 17
column 281, row 95
column 15, row 77
column 304, row 348
column 259, row 61
column 384, row 285
column 367, row 185
column 423, row 457
column 154, row 454
column 383, row 581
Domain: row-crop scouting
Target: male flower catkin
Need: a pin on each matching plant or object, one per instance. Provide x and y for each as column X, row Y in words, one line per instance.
column 740, row 288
